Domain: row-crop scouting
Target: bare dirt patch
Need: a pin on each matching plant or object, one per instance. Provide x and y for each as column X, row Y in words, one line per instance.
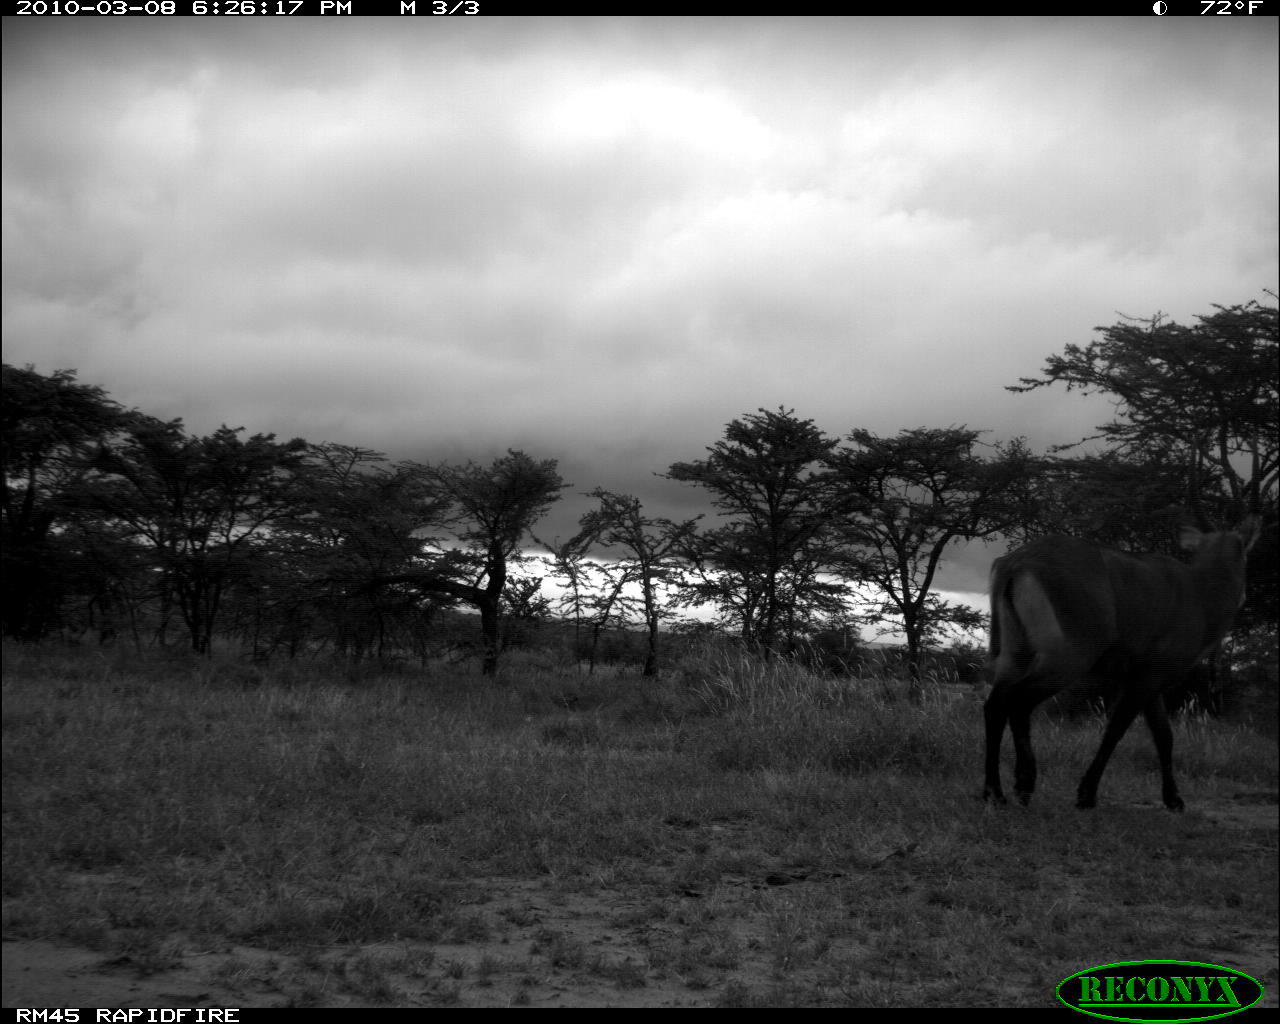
column 554, row 949
column 536, row 945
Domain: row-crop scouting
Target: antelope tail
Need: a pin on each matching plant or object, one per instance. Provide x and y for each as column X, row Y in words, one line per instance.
column 1008, row 634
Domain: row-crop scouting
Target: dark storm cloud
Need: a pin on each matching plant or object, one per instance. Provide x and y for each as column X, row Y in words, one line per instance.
column 603, row 239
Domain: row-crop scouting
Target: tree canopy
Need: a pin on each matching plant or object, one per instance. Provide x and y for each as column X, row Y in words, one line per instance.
column 111, row 516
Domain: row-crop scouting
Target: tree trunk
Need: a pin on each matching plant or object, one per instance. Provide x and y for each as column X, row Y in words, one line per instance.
column 489, row 628
column 651, row 655
column 915, row 689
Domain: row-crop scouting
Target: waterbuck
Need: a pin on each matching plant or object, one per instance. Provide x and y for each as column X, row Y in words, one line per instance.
column 1064, row 610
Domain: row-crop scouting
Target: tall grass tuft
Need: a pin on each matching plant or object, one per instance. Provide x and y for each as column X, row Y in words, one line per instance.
column 777, row 713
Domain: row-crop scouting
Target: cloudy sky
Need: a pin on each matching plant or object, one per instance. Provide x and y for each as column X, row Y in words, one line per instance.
column 601, row 240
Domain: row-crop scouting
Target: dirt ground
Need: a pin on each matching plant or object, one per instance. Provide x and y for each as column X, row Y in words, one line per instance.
column 43, row 974
column 602, row 964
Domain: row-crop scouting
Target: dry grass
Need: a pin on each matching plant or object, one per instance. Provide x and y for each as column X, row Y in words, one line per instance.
column 734, row 833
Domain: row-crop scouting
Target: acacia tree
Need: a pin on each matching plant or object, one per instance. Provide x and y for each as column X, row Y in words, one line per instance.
column 653, row 550
column 489, row 509
column 903, row 500
column 1205, row 398
column 595, row 593
column 51, row 429
column 1207, row 394
column 1129, row 502
column 569, row 562
column 202, row 505
column 355, row 522
column 760, row 569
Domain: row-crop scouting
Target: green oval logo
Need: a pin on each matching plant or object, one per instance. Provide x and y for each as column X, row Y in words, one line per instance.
column 1164, row 990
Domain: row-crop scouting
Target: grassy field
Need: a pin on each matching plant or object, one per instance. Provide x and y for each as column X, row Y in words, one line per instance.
column 730, row 834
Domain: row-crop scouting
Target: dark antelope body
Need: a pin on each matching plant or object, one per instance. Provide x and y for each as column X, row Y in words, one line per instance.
column 1063, row 610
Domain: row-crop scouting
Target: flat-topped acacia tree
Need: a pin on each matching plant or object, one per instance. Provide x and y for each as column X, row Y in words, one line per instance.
column 489, row 510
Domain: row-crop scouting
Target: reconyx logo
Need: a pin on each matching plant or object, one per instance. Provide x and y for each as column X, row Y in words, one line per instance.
column 1163, row 990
